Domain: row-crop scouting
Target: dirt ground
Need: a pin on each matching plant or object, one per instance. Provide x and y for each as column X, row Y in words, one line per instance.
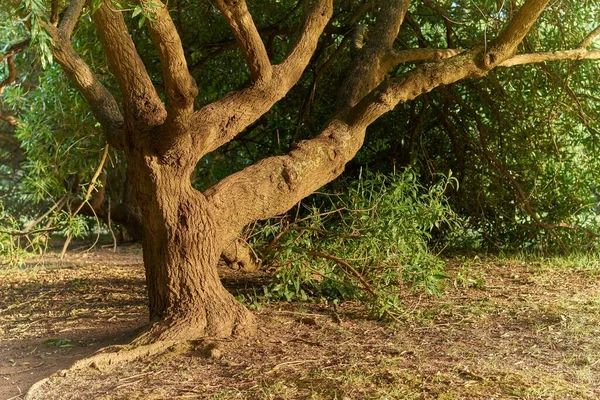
column 503, row 329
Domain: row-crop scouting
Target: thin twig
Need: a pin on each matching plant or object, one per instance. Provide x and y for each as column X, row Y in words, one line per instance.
column 114, row 238
column 96, row 175
column 346, row 267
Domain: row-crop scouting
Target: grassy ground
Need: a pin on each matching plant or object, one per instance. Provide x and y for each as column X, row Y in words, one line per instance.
column 504, row 329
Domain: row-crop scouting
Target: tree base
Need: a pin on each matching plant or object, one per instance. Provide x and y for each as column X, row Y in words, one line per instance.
column 216, row 323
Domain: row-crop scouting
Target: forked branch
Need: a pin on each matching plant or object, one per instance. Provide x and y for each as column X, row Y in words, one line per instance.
column 219, row 122
column 142, row 103
column 505, row 45
column 275, row 184
column 376, row 57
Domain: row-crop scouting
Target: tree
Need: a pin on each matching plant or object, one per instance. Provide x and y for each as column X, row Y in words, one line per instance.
column 163, row 135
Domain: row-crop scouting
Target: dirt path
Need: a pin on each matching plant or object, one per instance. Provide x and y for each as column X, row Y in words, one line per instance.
column 504, row 329
column 51, row 315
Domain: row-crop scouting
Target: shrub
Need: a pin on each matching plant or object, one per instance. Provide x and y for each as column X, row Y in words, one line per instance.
column 364, row 244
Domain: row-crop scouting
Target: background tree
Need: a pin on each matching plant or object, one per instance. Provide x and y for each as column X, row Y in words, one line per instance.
column 164, row 128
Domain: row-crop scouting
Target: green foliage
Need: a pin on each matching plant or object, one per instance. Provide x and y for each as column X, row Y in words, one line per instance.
column 366, row 243
column 16, row 248
column 35, row 11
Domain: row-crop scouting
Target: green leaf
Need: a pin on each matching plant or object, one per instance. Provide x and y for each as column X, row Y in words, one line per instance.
column 137, row 10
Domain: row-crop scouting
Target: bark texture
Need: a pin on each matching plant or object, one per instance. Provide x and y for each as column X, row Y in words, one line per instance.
column 181, row 252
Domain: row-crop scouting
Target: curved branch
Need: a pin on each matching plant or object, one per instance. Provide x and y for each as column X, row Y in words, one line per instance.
column 101, row 101
column 142, row 104
column 219, row 122
column 102, row 104
column 275, row 184
column 240, row 21
column 590, row 38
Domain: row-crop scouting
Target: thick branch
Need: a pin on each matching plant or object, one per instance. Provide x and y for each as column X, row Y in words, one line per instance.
column 240, row 21
column 219, row 122
column 275, row 184
column 373, row 60
column 180, row 87
column 505, row 45
column 142, row 104
column 101, row 102
column 71, row 16
column 316, row 15
column 412, row 55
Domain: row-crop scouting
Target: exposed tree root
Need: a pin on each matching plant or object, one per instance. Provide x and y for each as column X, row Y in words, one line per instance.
column 237, row 322
column 113, row 356
column 103, row 360
column 166, row 336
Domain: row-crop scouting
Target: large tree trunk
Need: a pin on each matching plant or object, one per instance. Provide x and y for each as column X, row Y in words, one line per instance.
column 181, row 252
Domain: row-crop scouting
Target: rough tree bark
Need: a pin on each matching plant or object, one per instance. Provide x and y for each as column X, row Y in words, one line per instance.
column 185, row 231
column 181, row 251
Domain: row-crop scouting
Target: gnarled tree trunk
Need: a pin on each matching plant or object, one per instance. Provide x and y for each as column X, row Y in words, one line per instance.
column 182, row 247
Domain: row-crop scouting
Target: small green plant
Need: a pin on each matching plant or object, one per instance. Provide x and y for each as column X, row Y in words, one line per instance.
column 365, row 244
column 35, row 15
column 469, row 276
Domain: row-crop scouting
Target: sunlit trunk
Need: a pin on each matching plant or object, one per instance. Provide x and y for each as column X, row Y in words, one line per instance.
column 181, row 253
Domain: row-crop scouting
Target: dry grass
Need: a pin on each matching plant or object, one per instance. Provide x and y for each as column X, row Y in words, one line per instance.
column 525, row 329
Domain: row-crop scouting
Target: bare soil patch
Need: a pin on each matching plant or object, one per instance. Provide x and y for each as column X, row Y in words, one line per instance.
column 503, row 329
